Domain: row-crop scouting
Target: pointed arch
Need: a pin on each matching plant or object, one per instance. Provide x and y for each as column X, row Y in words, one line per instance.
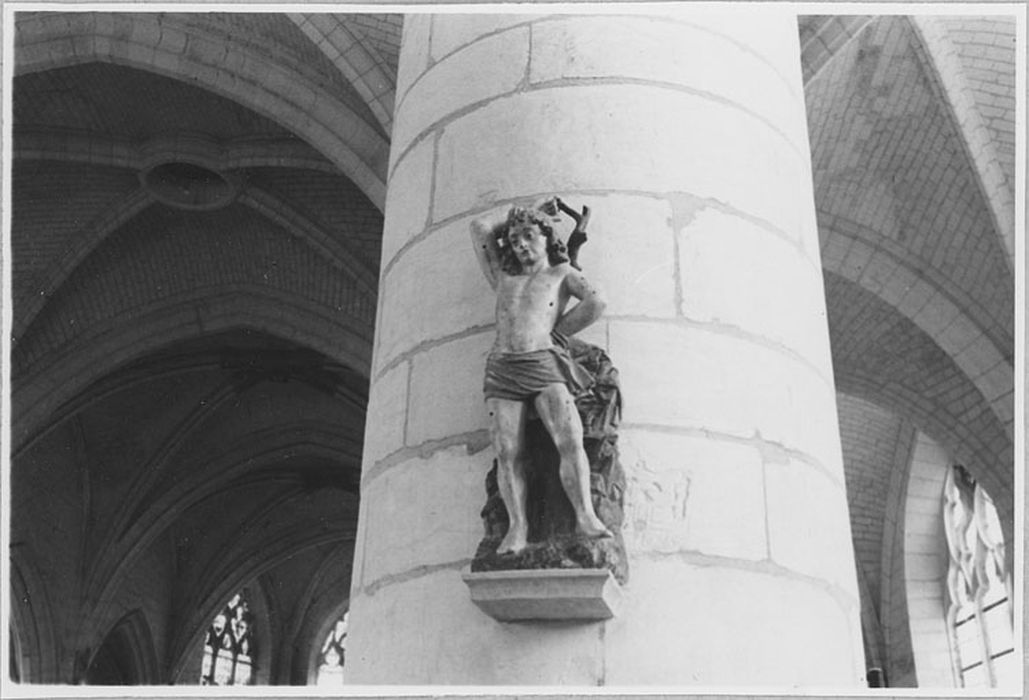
column 126, row 656
column 161, row 43
column 134, row 334
column 32, row 622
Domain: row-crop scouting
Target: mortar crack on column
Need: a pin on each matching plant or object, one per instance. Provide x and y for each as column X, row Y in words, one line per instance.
column 407, row 404
column 732, row 331
column 702, row 202
column 433, row 62
column 768, row 567
column 474, row 441
column 411, row 574
column 759, row 443
column 426, row 345
column 742, row 47
column 764, row 497
column 619, row 80
column 609, row 82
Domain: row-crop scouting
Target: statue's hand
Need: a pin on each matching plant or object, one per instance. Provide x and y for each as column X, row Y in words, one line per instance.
column 550, row 206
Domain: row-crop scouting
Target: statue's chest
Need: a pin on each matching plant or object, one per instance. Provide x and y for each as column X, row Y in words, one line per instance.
column 524, row 291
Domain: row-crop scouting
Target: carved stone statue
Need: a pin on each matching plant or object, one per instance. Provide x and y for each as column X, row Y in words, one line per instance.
column 553, row 403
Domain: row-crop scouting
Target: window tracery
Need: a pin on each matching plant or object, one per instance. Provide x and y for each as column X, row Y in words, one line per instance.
column 980, row 618
column 333, row 653
column 229, row 647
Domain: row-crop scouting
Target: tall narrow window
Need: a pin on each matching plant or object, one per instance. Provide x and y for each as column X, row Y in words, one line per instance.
column 333, row 654
column 980, row 615
column 229, row 648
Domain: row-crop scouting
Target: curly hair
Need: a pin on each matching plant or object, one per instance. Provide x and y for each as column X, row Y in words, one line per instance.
column 557, row 251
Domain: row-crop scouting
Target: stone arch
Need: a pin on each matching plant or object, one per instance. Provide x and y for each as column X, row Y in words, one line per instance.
column 894, row 616
column 186, row 671
column 31, row 622
column 942, row 430
column 871, row 631
column 30, row 305
column 123, row 153
column 161, row 44
column 314, row 641
column 370, row 77
column 128, row 650
column 324, row 598
column 929, row 307
column 214, row 156
column 132, row 335
column 256, row 452
column 925, row 564
column 939, row 56
column 185, row 646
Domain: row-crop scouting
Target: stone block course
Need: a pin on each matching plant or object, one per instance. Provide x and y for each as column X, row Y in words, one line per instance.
column 459, row 303
column 487, row 652
column 724, row 384
column 387, row 408
column 630, row 253
column 619, row 157
column 488, row 68
column 686, row 493
column 451, row 374
column 793, row 541
column 415, row 52
column 721, row 600
column 449, row 37
column 408, row 200
column 608, row 47
column 422, row 507
column 743, row 276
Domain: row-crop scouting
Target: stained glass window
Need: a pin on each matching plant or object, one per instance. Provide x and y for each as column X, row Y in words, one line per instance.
column 979, row 586
column 333, row 654
column 229, row 648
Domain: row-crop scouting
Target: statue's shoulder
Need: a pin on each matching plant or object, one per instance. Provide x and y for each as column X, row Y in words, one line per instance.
column 562, row 269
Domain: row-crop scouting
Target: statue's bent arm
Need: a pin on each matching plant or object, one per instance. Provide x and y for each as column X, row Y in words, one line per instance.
column 487, row 252
column 590, row 307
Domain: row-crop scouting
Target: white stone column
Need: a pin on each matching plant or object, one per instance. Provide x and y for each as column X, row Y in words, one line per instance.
column 686, row 135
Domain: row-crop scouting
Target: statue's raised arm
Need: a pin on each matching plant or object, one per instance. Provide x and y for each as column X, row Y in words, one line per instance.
column 486, row 243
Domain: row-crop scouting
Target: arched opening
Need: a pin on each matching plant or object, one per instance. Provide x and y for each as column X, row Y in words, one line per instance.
column 958, row 588
column 231, row 644
column 980, row 612
column 328, row 651
column 13, row 654
column 126, row 656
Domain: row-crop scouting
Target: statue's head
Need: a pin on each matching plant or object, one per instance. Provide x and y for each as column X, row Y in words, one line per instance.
column 540, row 218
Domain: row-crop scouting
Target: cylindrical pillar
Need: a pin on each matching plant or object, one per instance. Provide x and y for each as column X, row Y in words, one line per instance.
column 686, row 136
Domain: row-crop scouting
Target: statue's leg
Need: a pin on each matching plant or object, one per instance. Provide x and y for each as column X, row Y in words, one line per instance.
column 556, row 409
column 507, row 432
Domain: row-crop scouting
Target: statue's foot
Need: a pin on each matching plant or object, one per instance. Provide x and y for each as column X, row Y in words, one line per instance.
column 594, row 528
column 513, row 543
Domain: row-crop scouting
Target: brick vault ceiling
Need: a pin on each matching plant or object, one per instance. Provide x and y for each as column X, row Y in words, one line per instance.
column 986, row 48
column 381, row 32
column 890, row 167
column 112, row 100
column 882, row 141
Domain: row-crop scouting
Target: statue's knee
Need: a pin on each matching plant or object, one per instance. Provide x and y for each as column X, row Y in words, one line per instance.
column 507, row 452
column 569, row 447
column 569, row 479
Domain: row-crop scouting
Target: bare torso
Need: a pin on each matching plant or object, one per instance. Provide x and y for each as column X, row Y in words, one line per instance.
column 528, row 307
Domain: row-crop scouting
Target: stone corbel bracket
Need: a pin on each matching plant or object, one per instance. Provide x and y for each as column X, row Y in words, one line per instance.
column 576, row 595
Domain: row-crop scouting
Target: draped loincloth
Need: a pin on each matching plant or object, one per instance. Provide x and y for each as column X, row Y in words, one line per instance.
column 521, row 376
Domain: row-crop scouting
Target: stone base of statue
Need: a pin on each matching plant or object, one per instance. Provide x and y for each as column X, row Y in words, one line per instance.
column 545, row 594
column 553, row 542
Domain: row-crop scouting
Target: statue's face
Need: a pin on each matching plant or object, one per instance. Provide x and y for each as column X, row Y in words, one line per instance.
column 528, row 242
